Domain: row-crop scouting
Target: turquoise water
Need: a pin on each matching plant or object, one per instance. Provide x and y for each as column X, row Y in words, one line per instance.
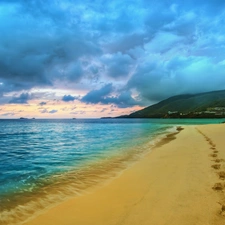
column 39, row 157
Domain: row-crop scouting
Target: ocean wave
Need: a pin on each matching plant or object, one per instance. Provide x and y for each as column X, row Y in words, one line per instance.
column 16, row 134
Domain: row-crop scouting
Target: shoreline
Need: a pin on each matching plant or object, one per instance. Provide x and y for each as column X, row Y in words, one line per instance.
column 78, row 182
column 175, row 183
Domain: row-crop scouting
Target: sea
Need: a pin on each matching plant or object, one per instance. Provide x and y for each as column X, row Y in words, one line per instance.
column 43, row 162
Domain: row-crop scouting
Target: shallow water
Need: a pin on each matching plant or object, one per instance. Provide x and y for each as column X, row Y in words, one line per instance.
column 45, row 161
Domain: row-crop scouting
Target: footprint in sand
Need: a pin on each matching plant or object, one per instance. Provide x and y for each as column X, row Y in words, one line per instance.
column 208, row 140
column 211, row 143
column 218, row 160
column 222, row 212
column 213, row 155
column 215, row 151
column 216, row 166
column 213, row 148
column 218, row 187
column 221, row 175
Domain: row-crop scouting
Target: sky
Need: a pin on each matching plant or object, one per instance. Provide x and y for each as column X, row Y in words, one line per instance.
column 100, row 58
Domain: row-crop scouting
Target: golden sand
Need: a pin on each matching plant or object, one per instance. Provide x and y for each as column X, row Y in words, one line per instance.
column 177, row 183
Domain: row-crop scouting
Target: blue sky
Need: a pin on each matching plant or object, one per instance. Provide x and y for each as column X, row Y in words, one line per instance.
column 106, row 58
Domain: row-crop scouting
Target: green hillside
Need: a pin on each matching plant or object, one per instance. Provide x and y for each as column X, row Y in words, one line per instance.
column 184, row 104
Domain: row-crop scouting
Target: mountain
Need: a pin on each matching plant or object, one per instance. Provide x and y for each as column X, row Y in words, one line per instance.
column 208, row 104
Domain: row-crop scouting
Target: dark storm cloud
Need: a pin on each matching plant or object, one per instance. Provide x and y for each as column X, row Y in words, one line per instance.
column 102, row 96
column 156, row 49
column 126, row 42
column 42, row 103
column 41, row 46
column 179, row 75
column 118, row 65
column 97, row 96
column 47, row 43
column 123, row 100
column 68, row 98
column 22, row 99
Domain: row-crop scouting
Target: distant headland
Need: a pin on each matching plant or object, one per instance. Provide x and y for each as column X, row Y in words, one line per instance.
column 202, row 105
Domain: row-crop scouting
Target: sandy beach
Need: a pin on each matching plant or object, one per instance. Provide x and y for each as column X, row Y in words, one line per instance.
column 178, row 183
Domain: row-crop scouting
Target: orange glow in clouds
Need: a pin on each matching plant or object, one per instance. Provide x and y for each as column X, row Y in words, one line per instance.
column 59, row 109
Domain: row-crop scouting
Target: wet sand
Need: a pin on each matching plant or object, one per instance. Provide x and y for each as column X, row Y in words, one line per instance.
column 180, row 182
